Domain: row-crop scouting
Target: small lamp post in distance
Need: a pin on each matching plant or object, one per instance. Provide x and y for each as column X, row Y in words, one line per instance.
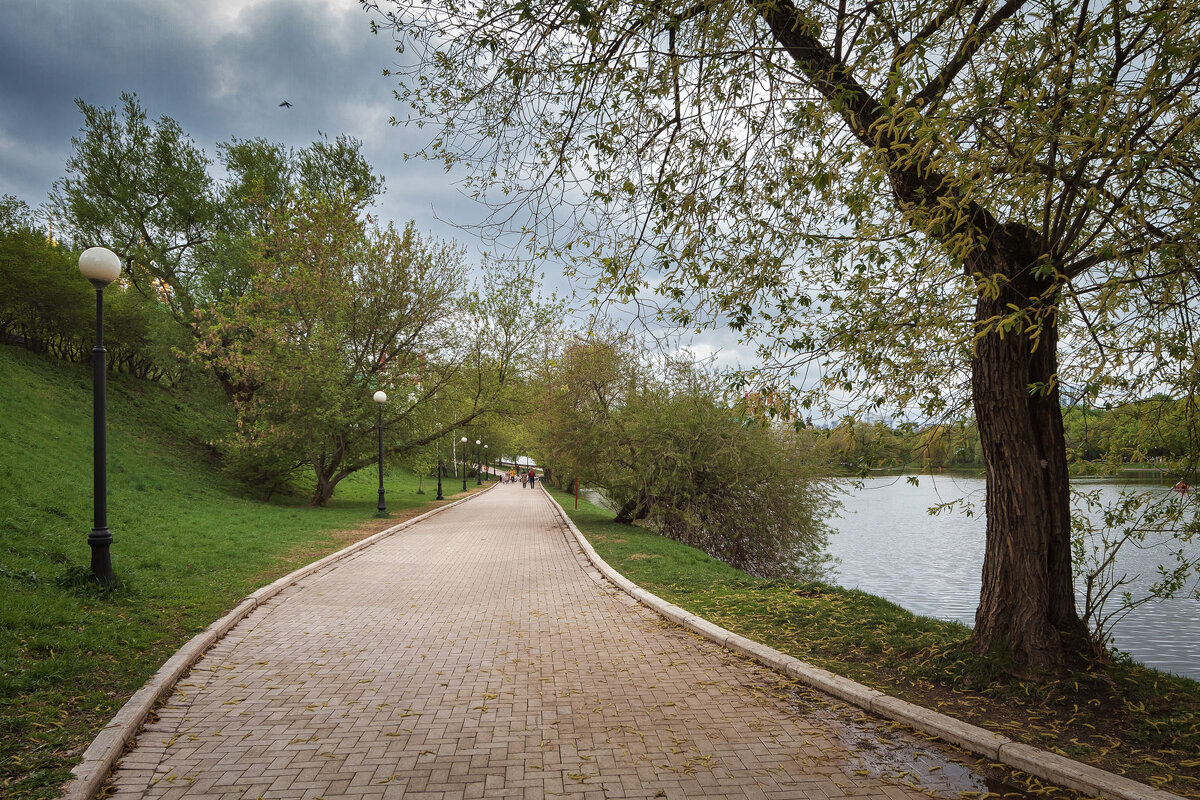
column 464, row 449
column 380, row 398
column 100, row 266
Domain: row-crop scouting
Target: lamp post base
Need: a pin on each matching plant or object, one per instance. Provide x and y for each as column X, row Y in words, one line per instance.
column 102, row 572
column 381, row 509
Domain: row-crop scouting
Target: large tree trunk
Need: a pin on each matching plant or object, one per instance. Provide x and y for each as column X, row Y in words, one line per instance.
column 636, row 508
column 1027, row 603
column 323, row 491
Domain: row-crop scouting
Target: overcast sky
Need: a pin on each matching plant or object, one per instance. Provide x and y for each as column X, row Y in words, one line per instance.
column 221, row 68
column 218, row 67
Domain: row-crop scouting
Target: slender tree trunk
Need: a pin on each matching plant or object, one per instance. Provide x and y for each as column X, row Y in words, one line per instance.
column 1027, row 603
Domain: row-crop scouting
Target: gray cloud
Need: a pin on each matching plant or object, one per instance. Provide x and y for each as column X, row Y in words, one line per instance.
column 220, row 69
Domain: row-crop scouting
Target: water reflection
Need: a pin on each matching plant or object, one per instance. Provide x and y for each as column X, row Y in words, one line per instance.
column 889, row 751
column 888, row 545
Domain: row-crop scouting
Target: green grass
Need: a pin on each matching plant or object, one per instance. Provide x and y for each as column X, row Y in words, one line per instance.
column 1119, row 716
column 188, row 546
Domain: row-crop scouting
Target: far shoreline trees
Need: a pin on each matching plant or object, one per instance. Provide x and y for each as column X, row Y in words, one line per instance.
column 1100, row 441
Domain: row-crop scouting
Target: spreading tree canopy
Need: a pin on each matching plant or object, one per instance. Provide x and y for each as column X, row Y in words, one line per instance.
column 338, row 308
column 897, row 199
column 142, row 188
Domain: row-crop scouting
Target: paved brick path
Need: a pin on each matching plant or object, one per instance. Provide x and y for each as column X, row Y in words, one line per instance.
column 474, row 655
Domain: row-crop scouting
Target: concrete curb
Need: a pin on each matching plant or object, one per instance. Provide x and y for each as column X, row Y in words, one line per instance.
column 1040, row 763
column 102, row 754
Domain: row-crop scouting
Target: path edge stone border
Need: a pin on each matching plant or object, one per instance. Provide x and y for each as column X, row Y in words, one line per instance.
column 101, row 755
column 1039, row 763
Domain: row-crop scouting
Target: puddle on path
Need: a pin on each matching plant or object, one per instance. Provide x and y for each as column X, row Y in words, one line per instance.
column 882, row 749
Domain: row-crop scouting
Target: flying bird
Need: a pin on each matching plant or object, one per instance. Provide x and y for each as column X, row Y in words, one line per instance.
column 285, row 104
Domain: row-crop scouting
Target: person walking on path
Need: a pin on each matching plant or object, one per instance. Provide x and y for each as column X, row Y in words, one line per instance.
column 477, row 654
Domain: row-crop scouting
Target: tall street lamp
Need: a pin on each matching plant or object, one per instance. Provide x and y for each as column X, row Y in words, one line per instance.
column 464, row 449
column 380, row 399
column 100, row 266
column 478, row 475
column 486, row 465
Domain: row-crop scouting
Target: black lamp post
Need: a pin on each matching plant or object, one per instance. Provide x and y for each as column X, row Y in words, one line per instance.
column 478, row 475
column 380, row 399
column 464, row 449
column 487, row 467
column 100, row 266
column 439, row 460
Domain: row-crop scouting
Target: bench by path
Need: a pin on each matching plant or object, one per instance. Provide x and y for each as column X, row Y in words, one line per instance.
column 477, row 654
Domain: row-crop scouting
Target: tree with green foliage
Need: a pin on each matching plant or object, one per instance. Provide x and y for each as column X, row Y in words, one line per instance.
column 141, row 189
column 15, row 214
column 660, row 442
column 188, row 241
column 47, row 306
column 337, row 309
column 900, row 199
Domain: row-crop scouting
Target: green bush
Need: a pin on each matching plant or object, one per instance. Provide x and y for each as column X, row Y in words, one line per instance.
column 660, row 442
column 735, row 488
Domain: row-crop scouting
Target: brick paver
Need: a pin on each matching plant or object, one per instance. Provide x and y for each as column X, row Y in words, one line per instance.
column 476, row 655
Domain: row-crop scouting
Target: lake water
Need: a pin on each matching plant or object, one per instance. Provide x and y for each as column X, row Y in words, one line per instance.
column 888, row 545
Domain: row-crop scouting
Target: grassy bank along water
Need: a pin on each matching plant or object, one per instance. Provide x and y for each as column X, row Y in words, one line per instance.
column 1122, row 717
column 188, row 546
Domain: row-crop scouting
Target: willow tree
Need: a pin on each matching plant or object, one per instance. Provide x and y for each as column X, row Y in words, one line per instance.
column 904, row 198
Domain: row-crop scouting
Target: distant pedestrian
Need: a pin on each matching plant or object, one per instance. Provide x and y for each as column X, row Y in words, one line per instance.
column 522, row 480
column 532, row 477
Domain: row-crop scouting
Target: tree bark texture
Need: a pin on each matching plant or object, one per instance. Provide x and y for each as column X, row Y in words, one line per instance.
column 1027, row 601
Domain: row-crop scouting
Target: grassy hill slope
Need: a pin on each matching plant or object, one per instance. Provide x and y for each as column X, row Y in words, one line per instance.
column 187, row 547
